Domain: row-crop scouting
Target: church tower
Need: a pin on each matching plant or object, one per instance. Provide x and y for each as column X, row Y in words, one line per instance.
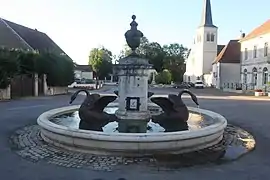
column 207, row 34
column 204, row 50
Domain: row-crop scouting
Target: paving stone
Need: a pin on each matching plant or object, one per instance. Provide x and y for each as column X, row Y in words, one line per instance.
column 28, row 144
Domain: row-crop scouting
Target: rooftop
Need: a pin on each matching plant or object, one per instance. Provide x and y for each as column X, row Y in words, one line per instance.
column 230, row 53
column 261, row 30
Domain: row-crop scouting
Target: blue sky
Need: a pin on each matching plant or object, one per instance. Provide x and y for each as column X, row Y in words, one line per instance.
column 77, row 26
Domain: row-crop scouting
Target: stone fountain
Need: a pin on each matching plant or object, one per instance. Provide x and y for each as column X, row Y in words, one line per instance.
column 133, row 116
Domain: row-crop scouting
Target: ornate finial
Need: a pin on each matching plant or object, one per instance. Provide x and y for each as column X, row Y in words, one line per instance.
column 133, row 36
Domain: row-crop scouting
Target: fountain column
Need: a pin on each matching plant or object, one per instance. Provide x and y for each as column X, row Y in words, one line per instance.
column 132, row 72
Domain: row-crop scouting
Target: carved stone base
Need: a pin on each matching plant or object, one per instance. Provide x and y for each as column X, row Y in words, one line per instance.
column 132, row 122
column 132, row 126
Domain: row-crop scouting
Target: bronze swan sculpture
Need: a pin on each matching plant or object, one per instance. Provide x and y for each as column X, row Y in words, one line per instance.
column 91, row 110
column 175, row 114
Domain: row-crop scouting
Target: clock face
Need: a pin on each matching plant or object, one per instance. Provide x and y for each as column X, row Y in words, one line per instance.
column 133, row 104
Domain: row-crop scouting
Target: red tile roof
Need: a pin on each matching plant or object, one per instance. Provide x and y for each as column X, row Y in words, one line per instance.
column 261, row 30
column 230, row 53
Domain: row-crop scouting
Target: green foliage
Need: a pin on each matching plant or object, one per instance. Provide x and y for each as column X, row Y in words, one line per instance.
column 171, row 57
column 175, row 60
column 8, row 66
column 101, row 61
column 164, row 77
column 59, row 69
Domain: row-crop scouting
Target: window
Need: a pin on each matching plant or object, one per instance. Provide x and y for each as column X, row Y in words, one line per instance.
column 265, row 76
column 255, row 51
column 266, row 49
column 246, row 54
column 254, row 76
column 212, row 37
column 245, row 76
column 208, row 37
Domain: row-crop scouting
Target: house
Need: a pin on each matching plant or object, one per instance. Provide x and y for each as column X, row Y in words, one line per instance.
column 17, row 36
column 83, row 72
column 226, row 66
column 204, row 50
column 255, row 58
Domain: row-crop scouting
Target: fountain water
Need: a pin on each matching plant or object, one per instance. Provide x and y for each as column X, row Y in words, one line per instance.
column 132, row 115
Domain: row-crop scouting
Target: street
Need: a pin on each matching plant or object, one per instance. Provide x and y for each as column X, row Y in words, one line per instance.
column 250, row 115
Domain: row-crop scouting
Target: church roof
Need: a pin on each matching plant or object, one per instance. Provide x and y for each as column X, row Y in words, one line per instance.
column 230, row 53
column 207, row 20
column 261, row 30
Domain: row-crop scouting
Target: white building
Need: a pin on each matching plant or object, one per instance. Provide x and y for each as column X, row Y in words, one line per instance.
column 226, row 67
column 204, row 50
column 83, row 72
column 255, row 58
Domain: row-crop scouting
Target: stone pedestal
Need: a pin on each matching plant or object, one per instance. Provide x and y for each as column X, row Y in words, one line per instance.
column 154, row 78
column 45, row 87
column 133, row 113
column 36, row 84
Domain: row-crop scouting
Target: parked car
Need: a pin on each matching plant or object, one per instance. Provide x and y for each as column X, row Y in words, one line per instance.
column 199, row 85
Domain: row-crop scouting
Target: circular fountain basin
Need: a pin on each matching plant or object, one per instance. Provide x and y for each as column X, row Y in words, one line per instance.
column 130, row 144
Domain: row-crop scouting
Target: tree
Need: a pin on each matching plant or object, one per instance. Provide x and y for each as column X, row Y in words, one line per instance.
column 175, row 56
column 101, row 61
column 58, row 68
column 155, row 54
column 149, row 50
column 9, row 66
column 171, row 57
column 164, row 77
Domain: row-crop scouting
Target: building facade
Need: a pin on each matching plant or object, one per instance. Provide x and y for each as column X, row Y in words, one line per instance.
column 255, row 58
column 83, row 72
column 204, row 49
column 13, row 35
column 226, row 67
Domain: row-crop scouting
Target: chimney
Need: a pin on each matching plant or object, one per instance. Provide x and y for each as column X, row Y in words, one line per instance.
column 243, row 35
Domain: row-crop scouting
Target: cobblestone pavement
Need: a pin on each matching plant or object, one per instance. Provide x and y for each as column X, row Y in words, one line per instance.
column 252, row 116
column 28, row 144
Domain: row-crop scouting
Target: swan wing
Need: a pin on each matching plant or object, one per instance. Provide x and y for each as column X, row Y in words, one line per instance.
column 103, row 101
column 165, row 104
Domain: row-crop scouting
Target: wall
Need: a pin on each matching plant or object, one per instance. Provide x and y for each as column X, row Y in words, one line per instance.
column 56, row 90
column 229, row 73
column 5, row 93
column 259, row 68
column 215, row 82
column 83, row 74
column 259, row 62
column 207, row 78
column 87, row 75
